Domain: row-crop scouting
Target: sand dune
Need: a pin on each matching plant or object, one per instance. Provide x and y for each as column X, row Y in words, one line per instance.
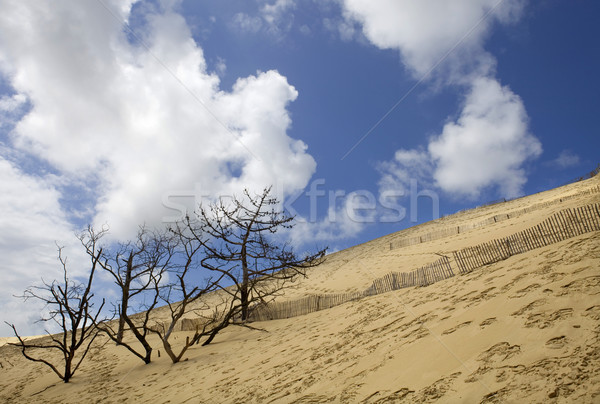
column 525, row 329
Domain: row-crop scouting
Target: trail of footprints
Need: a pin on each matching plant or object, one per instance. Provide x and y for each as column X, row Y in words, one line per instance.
column 565, row 369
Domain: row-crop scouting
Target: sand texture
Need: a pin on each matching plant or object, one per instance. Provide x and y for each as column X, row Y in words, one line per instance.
column 524, row 329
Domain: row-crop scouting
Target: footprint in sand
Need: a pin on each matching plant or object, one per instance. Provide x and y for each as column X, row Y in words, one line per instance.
column 554, row 277
column 437, row 389
column 544, row 320
column 453, row 329
column 547, row 291
column 557, row 342
column 483, row 295
column 512, row 283
column 385, row 397
column 589, row 285
column 529, row 307
column 501, row 350
column 547, row 269
column 525, row 291
column 593, row 312
column 487, row 322
column 496, row 353
column 463, row 297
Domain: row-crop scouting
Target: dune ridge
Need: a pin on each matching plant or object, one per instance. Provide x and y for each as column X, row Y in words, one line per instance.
column 522, row 329
column 562, row 225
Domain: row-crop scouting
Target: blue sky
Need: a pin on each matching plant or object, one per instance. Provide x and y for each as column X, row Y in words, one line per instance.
column 112, row 111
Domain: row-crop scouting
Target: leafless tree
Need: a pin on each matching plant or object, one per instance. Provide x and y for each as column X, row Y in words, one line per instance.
column 188, row 298
column 71, row 307
column 239, row 246
column 138, row 268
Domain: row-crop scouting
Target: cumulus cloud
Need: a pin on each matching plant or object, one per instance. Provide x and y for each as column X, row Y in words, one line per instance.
column 489, row 142
column 32, row 222
column 424, row 31
column 487, row 145
column 144, row 121
column 128, row 123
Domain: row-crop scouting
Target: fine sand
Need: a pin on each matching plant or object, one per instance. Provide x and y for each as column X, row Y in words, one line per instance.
column 525, row 329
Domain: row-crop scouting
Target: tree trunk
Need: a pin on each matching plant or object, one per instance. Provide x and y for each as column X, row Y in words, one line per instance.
column 124, row 300
column 169, row 351
column 141, row 338
column 244, row 295
column 67, row 375
column 244, row 299
column 121, row 326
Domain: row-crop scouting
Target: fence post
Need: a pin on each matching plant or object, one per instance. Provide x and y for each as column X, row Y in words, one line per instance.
column 568, row 226
column 594, row 219
column 557, row 227
column 582, row 218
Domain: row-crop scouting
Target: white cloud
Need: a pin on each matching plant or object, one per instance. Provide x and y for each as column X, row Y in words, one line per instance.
column 305, row 30
column 107, row 108
column 407, row 165
column 274, row 18
column 343, row 27
column 12, row 103
column 32, row 221
column 277, row 15
column 424, row 31
column 12, row 108
column 220, row 67
column 247, row 23
column 487, row 145
column 107, row 114
column 347, row 216
column 566, row 159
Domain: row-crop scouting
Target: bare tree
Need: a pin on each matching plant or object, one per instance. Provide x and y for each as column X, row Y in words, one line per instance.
column 239, row 245
column 139, row 269
column 189, row 298
column 70, row 306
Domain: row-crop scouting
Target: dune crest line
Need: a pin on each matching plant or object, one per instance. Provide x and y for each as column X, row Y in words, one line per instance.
column 560, row 226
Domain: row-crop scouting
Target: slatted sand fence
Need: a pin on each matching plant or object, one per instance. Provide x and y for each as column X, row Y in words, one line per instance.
column 302, row 306
column 560, row 226
column 451, row 231
column 423, row 276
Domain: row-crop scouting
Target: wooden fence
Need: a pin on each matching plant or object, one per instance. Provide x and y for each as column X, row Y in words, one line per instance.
column 451, row 231
column 558, row 227
column 591, row 174
column 426, row 275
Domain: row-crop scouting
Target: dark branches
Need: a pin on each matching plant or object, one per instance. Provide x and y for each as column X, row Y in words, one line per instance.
column 138, row 269
column 71, row 308
column 239, row 246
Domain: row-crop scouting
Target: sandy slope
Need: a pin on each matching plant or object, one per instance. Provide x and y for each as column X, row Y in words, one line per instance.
column 522, row 330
